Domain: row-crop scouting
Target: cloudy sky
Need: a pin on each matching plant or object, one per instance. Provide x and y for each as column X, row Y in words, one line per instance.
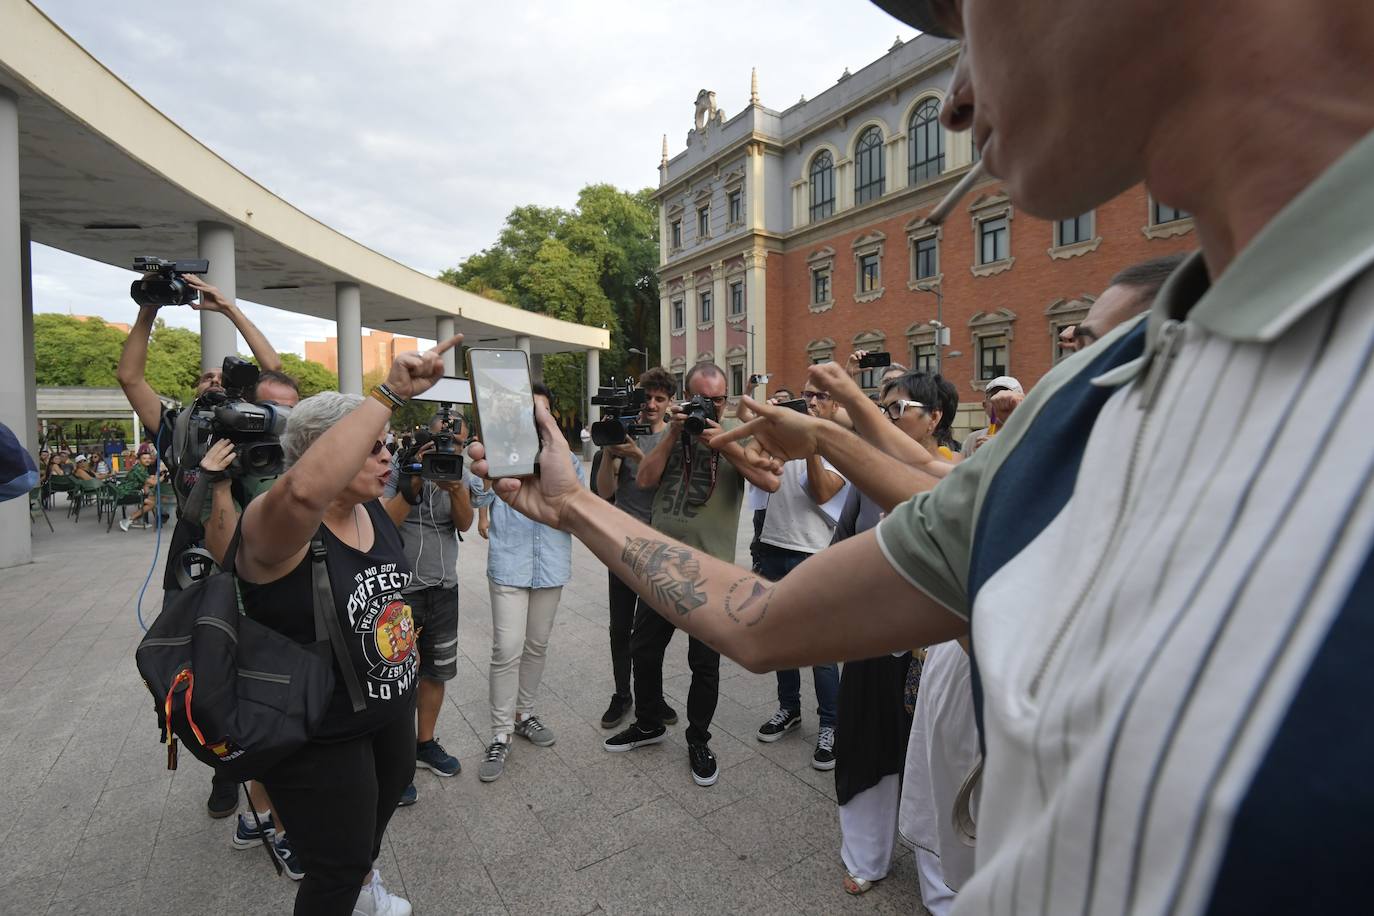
column 414, row 126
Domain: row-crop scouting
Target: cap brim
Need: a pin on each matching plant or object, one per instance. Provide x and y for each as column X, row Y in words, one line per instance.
column 917, row 13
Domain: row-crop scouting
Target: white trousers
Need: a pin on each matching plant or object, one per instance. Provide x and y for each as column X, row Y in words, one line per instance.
column 935, row 894
column 521, row 620
column 868, row 829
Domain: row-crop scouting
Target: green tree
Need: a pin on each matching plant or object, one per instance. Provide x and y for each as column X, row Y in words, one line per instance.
column 70, row 352
column 310, row 375
column 173, row 361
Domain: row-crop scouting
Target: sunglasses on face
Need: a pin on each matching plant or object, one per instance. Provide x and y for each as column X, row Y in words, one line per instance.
column 897, row 408
column 816, row 396
column 377, row 447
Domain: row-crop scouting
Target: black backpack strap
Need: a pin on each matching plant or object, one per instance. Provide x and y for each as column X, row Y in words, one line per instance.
column 327, row 622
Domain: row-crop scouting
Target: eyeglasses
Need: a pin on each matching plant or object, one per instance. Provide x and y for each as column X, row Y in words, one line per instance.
column 718, row 400
column 377, row 447
column 815, row 395
column 897, row 408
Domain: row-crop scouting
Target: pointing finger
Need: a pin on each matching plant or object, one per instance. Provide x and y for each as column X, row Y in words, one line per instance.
column 444, row 346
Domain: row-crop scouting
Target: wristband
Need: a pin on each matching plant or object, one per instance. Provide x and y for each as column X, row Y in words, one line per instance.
column 385, row 396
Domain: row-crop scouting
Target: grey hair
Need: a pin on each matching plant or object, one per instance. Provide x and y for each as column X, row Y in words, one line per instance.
column 311, row 417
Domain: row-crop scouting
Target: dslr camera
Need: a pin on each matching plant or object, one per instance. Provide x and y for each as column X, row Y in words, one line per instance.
column 623, row 424
column 255, row 429
column 698, row 410
column 445, row 461
column 161, row 283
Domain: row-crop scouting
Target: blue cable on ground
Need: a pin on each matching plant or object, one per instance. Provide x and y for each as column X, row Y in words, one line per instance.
column 157, row 514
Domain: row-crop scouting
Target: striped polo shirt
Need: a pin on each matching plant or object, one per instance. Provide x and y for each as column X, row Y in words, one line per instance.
column 1166, row 557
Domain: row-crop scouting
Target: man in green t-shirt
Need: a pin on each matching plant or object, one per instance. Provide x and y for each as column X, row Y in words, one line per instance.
column 700, row 490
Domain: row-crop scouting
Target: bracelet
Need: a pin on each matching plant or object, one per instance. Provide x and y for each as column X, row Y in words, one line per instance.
column 385, row 396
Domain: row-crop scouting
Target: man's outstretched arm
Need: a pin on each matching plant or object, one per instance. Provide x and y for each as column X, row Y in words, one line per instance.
column 133, row 363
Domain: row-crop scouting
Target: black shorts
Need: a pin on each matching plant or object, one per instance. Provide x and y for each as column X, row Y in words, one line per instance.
column 436, row 617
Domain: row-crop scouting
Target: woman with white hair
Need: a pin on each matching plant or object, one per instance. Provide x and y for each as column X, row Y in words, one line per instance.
column 339, row 791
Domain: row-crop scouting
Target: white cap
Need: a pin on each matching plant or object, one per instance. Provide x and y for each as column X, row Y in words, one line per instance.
column 1003, row 382
column 80, row 458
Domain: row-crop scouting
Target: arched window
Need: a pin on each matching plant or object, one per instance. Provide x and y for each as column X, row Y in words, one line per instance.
column 926, row 138
column 822, row 186
column 869, row 173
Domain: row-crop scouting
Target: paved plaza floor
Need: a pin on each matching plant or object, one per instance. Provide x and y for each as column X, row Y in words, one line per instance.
column 92, row 822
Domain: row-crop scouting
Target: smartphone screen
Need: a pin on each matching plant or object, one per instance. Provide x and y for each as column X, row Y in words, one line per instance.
column 875, row 360
column 448, row 390
column 504, row 400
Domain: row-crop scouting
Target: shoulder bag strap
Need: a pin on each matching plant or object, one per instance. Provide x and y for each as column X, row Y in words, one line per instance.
column 327, row 622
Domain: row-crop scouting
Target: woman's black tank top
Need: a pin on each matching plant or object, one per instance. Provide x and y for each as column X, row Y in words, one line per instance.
column 373, row 614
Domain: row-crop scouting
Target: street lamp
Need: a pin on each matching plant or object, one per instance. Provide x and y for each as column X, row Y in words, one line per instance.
column 941, row 332
column 642, row 355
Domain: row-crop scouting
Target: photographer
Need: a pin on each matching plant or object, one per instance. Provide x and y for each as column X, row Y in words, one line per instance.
column 340, row 790
column 698, row 502
column 430, row 514
column 617, row 481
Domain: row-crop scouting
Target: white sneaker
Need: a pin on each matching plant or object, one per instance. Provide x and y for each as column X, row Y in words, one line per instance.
column 375, row 900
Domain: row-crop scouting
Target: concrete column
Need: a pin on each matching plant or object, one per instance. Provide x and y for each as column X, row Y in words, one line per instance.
column 593, row 413
column 721, row 310
column 665, row 325
column 29, row 434
column 896, row 162
column 690, row 308
column 523, row 343
column 16, row 545
column 443, row 330
column 756, row 310
column 348, row 326
column 218, row 338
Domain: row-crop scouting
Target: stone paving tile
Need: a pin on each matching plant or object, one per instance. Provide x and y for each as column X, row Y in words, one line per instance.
column 91, row 821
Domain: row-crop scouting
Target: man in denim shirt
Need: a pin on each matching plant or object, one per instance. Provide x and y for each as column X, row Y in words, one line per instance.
column 527, row 566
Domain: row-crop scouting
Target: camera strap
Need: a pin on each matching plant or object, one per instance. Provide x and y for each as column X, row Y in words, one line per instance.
column 688, row 460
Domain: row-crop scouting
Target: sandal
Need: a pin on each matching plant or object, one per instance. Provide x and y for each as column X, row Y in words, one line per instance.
column 856, row 886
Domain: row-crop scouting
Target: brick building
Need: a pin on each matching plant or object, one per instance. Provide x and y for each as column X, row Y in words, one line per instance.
column 793, row 237
column 379, row 350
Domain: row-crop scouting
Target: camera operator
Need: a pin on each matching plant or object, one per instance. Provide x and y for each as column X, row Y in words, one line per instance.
column 430, row 514
column 617, row 481
column 698, row 502
column 800, row 521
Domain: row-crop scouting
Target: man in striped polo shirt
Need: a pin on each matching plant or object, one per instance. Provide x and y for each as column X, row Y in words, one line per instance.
column 1181, row 726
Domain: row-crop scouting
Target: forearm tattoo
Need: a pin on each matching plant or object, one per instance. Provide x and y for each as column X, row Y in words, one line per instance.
column 747, row 600
column 673, row 573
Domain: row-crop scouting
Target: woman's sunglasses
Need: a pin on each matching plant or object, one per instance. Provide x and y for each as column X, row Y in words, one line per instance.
column 897, row 408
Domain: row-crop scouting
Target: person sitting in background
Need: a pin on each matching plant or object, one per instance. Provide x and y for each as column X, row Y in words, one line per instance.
column 82, row 468
column 139, row 480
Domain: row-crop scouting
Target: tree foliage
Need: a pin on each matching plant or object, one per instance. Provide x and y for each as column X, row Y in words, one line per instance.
column 310, row 375
column 594, row 264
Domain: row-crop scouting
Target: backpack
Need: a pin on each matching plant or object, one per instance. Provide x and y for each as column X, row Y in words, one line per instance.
column 238, row 694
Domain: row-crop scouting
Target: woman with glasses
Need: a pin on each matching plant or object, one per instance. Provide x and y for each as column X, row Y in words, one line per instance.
column 877, row 696
column 339, row 791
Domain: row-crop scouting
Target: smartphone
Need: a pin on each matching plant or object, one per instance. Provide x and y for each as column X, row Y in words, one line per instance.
column 797, row 404
column 504, row 400
column 448, row 390
column 875, row 360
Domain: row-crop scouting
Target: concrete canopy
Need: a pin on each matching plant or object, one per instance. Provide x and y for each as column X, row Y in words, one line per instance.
column 105, row 175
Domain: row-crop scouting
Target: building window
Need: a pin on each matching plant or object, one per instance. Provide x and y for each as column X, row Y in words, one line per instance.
column 1073, row 230
column 926, row 256
column 705, row 307
column 820, row 285
column 923, row 357
column 926, row 139
column 992, row 356
column 870, row 278
column 869, row 378
column 735, row 206
column 870, row 173
column 820, row 351
column 677, row 234
column 679, row 319
column 822, row 186
column 994, row 240
column 736, row 379
column 737, row 298
column 704, row 223
column 1163, row 213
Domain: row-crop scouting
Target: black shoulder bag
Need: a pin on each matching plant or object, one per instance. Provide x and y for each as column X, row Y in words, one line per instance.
column 238, row 694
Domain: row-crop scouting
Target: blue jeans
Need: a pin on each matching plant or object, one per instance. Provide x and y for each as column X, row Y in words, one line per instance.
column 774, row 563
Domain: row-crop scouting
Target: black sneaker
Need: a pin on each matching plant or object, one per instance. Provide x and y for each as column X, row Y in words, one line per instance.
column 824, row 758
column 634, row 737
column 409, row 796
column 224, row 799
column 667, row 715
column 705, row 772
column 616, row 712
column 783, row 721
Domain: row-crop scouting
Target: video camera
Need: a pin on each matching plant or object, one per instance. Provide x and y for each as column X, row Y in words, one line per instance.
column 255, row 429
column 698, row 410
column 445, row 461
column 625, row 402
column 162, row 284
